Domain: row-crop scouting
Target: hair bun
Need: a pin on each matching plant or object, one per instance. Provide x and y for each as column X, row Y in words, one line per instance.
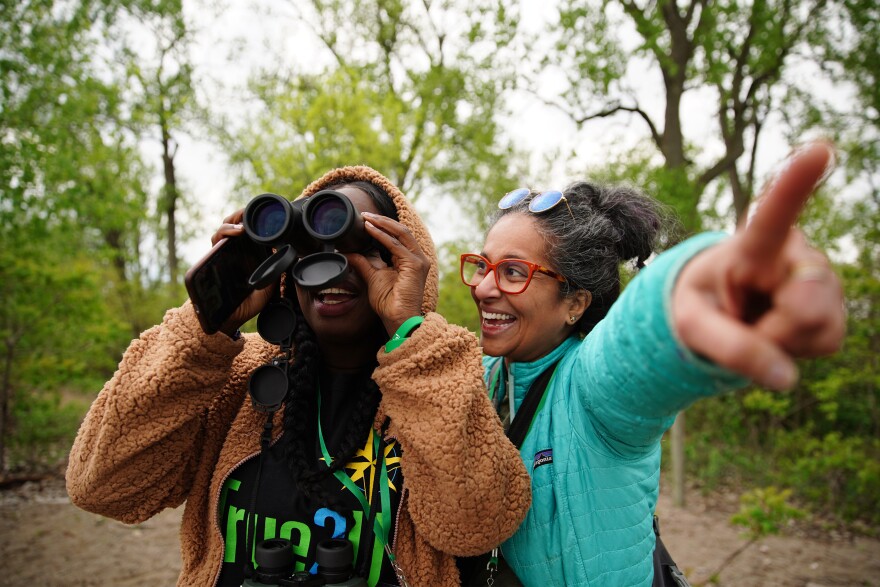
column 636, row 218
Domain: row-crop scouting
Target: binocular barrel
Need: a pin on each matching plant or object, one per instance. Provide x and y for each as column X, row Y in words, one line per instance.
column 309, row 225
column 275, row 563
column 315, row 230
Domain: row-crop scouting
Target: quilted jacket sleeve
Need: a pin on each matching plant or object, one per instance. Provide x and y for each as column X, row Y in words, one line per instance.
column 633, row 375
column 468, row 489
column 139, row 445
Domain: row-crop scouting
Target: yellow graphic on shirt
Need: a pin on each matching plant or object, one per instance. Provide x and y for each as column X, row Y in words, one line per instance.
column 362, row 468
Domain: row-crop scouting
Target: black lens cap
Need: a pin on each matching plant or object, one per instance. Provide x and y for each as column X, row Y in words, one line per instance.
column 277, row 321
column 320, row 270
column 271, row 269
column 268, row 387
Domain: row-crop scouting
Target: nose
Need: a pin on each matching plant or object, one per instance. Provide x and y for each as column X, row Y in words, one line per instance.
column 487, row 288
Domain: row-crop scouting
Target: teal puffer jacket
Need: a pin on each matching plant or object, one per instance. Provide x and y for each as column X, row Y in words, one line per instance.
column 593, row 450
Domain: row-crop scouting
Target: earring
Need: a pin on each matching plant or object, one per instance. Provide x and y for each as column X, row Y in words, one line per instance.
column 573, row 319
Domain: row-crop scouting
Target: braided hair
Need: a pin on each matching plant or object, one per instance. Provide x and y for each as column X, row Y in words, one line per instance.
column 587, row 240
column 301, row 407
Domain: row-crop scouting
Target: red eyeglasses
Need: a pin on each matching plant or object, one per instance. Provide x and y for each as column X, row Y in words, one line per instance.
column 512, row 276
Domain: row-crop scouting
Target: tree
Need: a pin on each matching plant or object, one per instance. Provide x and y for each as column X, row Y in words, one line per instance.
column 53, row 108
column 733, row 55
column 164, row 105
column 74, row 187
column 412, row 89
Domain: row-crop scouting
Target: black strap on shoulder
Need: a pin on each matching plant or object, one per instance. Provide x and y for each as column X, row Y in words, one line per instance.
column 494, row 394
column 666, row 572
column 523, row 419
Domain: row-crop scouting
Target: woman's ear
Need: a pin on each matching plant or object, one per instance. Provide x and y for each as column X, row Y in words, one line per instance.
column 580, row 301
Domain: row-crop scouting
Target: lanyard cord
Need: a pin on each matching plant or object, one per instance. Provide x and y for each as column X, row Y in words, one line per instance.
column 381, row 519
column 265, row 441
column 528, row 408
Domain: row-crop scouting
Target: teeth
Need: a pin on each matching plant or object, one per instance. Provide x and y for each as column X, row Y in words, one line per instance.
column 495, row 316
column 335, row 290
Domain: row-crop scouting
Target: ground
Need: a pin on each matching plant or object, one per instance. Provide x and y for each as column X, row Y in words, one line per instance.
column 46, row 541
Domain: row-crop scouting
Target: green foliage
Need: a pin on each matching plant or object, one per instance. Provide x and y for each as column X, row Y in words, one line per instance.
column 456, row 304
column 57, row 333
column 73, row 282
column 44, row 430
column 642, row 168
column 727, row 60
column 764, row 511
column 841, row 475
column 421, row 108
column 820, row 438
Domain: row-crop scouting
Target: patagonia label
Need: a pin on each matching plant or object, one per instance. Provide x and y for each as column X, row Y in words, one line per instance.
column 543, row 457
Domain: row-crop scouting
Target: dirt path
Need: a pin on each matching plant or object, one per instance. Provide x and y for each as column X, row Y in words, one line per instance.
column 46, row 541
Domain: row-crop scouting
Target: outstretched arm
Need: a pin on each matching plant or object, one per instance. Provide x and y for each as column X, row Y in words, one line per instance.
column 765, row 297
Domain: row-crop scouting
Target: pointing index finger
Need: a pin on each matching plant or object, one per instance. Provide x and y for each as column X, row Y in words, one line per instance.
column 780, row 206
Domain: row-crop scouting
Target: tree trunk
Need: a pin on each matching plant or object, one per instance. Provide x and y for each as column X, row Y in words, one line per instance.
column 677, row 454
column 170, row 204
column 6, row 398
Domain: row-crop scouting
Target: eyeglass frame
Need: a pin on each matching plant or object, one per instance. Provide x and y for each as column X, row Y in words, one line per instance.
column 533, row 268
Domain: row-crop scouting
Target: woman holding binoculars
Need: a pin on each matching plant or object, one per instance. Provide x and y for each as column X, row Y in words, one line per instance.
column 391, row 444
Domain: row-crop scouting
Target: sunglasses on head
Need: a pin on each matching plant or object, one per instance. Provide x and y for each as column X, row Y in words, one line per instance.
column 541, row 202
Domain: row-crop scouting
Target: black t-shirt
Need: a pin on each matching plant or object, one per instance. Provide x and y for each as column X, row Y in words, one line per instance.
column 283, row 512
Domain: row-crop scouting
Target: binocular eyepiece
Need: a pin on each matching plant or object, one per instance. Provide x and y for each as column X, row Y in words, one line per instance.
column 275, row 564
column 312, row 229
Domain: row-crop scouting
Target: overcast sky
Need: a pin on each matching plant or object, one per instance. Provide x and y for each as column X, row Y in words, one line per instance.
column 260, row 33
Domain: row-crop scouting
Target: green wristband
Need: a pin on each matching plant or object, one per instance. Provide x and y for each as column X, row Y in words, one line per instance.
column 407, row 328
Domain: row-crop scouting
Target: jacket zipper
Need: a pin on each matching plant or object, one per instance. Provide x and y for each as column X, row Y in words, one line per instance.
column 215, row 505
column 397, row 515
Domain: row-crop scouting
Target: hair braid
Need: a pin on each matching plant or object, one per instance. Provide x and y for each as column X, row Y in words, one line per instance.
column 301, row 408
column 301, row 405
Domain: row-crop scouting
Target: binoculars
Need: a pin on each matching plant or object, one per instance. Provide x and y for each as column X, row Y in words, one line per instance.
column 275, row 562
column 316, row 230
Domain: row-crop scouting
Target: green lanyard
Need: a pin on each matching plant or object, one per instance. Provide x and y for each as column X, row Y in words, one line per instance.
column 538, row 386
column 381, row 526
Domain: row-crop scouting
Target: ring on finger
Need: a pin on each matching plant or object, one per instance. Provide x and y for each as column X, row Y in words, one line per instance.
column 806, row 271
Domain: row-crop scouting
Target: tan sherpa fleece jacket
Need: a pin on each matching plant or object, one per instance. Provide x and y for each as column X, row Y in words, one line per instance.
column 175, row 420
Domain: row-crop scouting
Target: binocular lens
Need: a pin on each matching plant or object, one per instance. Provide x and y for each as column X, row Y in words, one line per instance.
column 328, row 217
column 269, row 219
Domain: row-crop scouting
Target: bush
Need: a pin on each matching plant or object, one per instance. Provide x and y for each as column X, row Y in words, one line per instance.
column 44, row 428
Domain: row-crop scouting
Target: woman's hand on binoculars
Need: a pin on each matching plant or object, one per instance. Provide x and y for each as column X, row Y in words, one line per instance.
column 257, row 300
column 396, row 292
column 231, row 227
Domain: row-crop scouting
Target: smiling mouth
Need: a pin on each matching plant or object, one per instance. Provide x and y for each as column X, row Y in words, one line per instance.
column 334, row 295
column 496, row 318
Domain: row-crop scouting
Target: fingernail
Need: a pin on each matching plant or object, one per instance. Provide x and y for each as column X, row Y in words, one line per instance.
column 832, row 160
column 368, row 223
column 237, row 226
column 781, row 376
column 368, row 215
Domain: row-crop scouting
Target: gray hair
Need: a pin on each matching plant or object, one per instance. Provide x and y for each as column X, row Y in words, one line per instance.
column 607, row 225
